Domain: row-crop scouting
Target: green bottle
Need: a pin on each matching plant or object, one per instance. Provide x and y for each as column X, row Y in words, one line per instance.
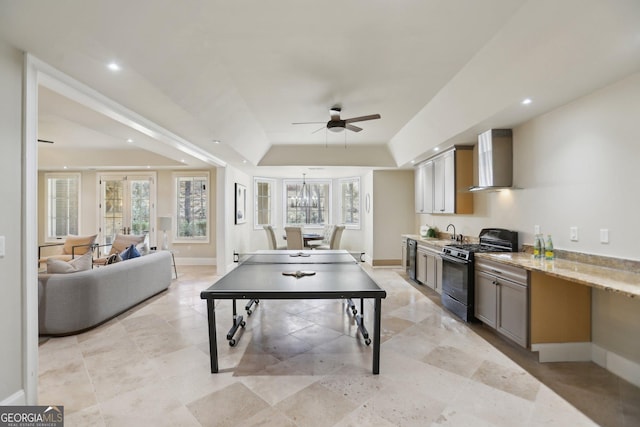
column 548, row 249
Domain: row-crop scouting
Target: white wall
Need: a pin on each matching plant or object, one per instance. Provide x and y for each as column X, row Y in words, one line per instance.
column 11, row 264
column 393, row 211
column 577, row 166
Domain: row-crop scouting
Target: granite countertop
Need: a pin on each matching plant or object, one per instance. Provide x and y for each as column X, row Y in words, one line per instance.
column 429, row 241
column 608, row 279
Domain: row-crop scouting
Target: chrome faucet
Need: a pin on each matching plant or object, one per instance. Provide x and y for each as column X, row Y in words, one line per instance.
column 453, row 237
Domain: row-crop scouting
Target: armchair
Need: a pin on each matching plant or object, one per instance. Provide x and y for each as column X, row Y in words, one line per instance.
column 72, row 246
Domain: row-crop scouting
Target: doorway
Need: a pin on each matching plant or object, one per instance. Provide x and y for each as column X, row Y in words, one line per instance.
column 127, row 205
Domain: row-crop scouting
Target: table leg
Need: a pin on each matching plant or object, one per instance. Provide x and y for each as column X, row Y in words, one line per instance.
column 213, row 345
column 376, row 336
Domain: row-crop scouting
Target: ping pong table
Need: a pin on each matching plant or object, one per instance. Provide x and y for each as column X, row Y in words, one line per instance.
column 278, row 274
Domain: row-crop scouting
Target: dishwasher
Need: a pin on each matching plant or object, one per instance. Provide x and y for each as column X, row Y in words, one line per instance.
column 412, row 253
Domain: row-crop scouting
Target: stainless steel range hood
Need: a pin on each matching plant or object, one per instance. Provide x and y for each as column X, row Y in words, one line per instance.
column 493, row 160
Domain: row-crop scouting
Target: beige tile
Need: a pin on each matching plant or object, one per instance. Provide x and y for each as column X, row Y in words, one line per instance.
column 316, row 406
column 513, row 380
column 551, row 410
column 354, row 384
column 363, row 416
column 274, row 388
column 269, row 417
column 453, row 360
column 227, row 407
column 88, row 417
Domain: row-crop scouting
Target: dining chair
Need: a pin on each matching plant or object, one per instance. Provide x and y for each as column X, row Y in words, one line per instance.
column 271, row 238
column 326, row 237
column 294, row 238
column 334, row 241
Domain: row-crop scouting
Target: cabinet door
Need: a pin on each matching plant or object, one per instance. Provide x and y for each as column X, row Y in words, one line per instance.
column 438, row 287
column 449, row 171
column 431, row 271
column 485, row 299
column 428, row 187
column 512, row 311
column 419, row 188
column 438, row 185
column 421, row 266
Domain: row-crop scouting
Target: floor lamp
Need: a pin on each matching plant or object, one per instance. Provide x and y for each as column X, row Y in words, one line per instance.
column 164, row 224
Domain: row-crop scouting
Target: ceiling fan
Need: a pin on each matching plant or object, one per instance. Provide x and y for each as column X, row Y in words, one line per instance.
column 337, row 124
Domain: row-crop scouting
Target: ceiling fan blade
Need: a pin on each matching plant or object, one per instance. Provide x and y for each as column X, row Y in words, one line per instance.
column 45, row 141
column 306, row 123
column 318, row 130
column 363, row 118
column 353, row 128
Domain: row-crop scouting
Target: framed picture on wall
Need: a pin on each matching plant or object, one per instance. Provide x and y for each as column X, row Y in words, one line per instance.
column 241, row 203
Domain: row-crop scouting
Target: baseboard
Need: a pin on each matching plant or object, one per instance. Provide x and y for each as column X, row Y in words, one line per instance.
column 16, row 399
column 563, row 352
column 386, row 262
column 195, row 261
column 621, row 366
column 589, row 352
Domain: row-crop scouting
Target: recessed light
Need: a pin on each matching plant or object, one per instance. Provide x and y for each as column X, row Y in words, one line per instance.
column 64, row 167
column 216, row 141
column 526, row 101
column 129, row 140
column 413, row 161
column 244, row 161
column 148, row 167
column 113, row 66
column 182, row 160
column 436, row 149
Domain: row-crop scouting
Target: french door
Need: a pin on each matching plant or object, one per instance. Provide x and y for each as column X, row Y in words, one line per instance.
column 127, row 205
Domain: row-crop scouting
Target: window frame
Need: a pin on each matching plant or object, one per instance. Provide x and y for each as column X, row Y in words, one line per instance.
column 48, row 238
column 174, row 224
column 352, row 226
column 272, row 196
column 327, row 182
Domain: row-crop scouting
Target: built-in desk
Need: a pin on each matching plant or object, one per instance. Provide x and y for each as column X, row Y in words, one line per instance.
column 560, row 311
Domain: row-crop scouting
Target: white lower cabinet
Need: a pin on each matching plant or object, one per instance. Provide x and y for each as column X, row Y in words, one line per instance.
column 429, row 268
column 501, row 299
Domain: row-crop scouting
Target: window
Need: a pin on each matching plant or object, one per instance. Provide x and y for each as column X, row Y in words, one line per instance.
column 192, row 208
column 350, row 202
column 62, row 194
column 307, row 203
column 264, row 202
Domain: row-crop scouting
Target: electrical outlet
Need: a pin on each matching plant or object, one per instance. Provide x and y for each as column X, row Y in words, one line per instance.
column 604, row 235
column 573, row 234
column 536, row 229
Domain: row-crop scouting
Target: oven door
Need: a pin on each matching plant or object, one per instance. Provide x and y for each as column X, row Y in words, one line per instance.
column 457, row 279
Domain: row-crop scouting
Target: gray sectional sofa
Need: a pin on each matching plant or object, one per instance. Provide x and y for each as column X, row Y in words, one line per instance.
column 71, row 303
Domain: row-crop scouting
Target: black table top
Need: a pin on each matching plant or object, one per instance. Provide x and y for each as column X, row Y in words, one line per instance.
column 336, row 275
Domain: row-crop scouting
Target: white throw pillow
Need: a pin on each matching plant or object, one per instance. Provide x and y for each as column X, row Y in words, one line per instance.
column 83, row 262
column 56, row 266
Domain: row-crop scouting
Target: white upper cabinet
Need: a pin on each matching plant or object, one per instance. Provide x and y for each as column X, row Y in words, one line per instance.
column 424, row 187
column 442, row 183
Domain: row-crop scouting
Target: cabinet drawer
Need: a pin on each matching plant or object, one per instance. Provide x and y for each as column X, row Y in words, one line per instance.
column 509, row 272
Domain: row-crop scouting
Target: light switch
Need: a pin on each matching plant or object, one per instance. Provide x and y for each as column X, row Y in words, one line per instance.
column 604, row 235
column 1, row 246
column 573, row 234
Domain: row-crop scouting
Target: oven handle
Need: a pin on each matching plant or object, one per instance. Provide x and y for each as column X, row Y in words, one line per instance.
column 452, row 259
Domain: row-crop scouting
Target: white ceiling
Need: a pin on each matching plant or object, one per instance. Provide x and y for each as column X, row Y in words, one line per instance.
column 438, row 71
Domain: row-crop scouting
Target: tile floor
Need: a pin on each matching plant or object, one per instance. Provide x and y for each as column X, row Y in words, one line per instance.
column 302, row 363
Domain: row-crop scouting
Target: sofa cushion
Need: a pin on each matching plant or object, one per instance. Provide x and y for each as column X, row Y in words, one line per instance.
column 123, row 241
column 130, row 252
column 82, row 244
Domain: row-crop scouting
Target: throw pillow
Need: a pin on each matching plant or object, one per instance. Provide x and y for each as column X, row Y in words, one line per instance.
column 130, row 252
column 83, row 262
column 123, row 241
column 56, row 266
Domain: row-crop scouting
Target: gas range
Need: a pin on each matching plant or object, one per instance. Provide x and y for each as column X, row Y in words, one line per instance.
column 491, row 240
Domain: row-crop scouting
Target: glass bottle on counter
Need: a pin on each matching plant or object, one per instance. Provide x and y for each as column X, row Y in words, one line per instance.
column 549, row 253
column 538, row 247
